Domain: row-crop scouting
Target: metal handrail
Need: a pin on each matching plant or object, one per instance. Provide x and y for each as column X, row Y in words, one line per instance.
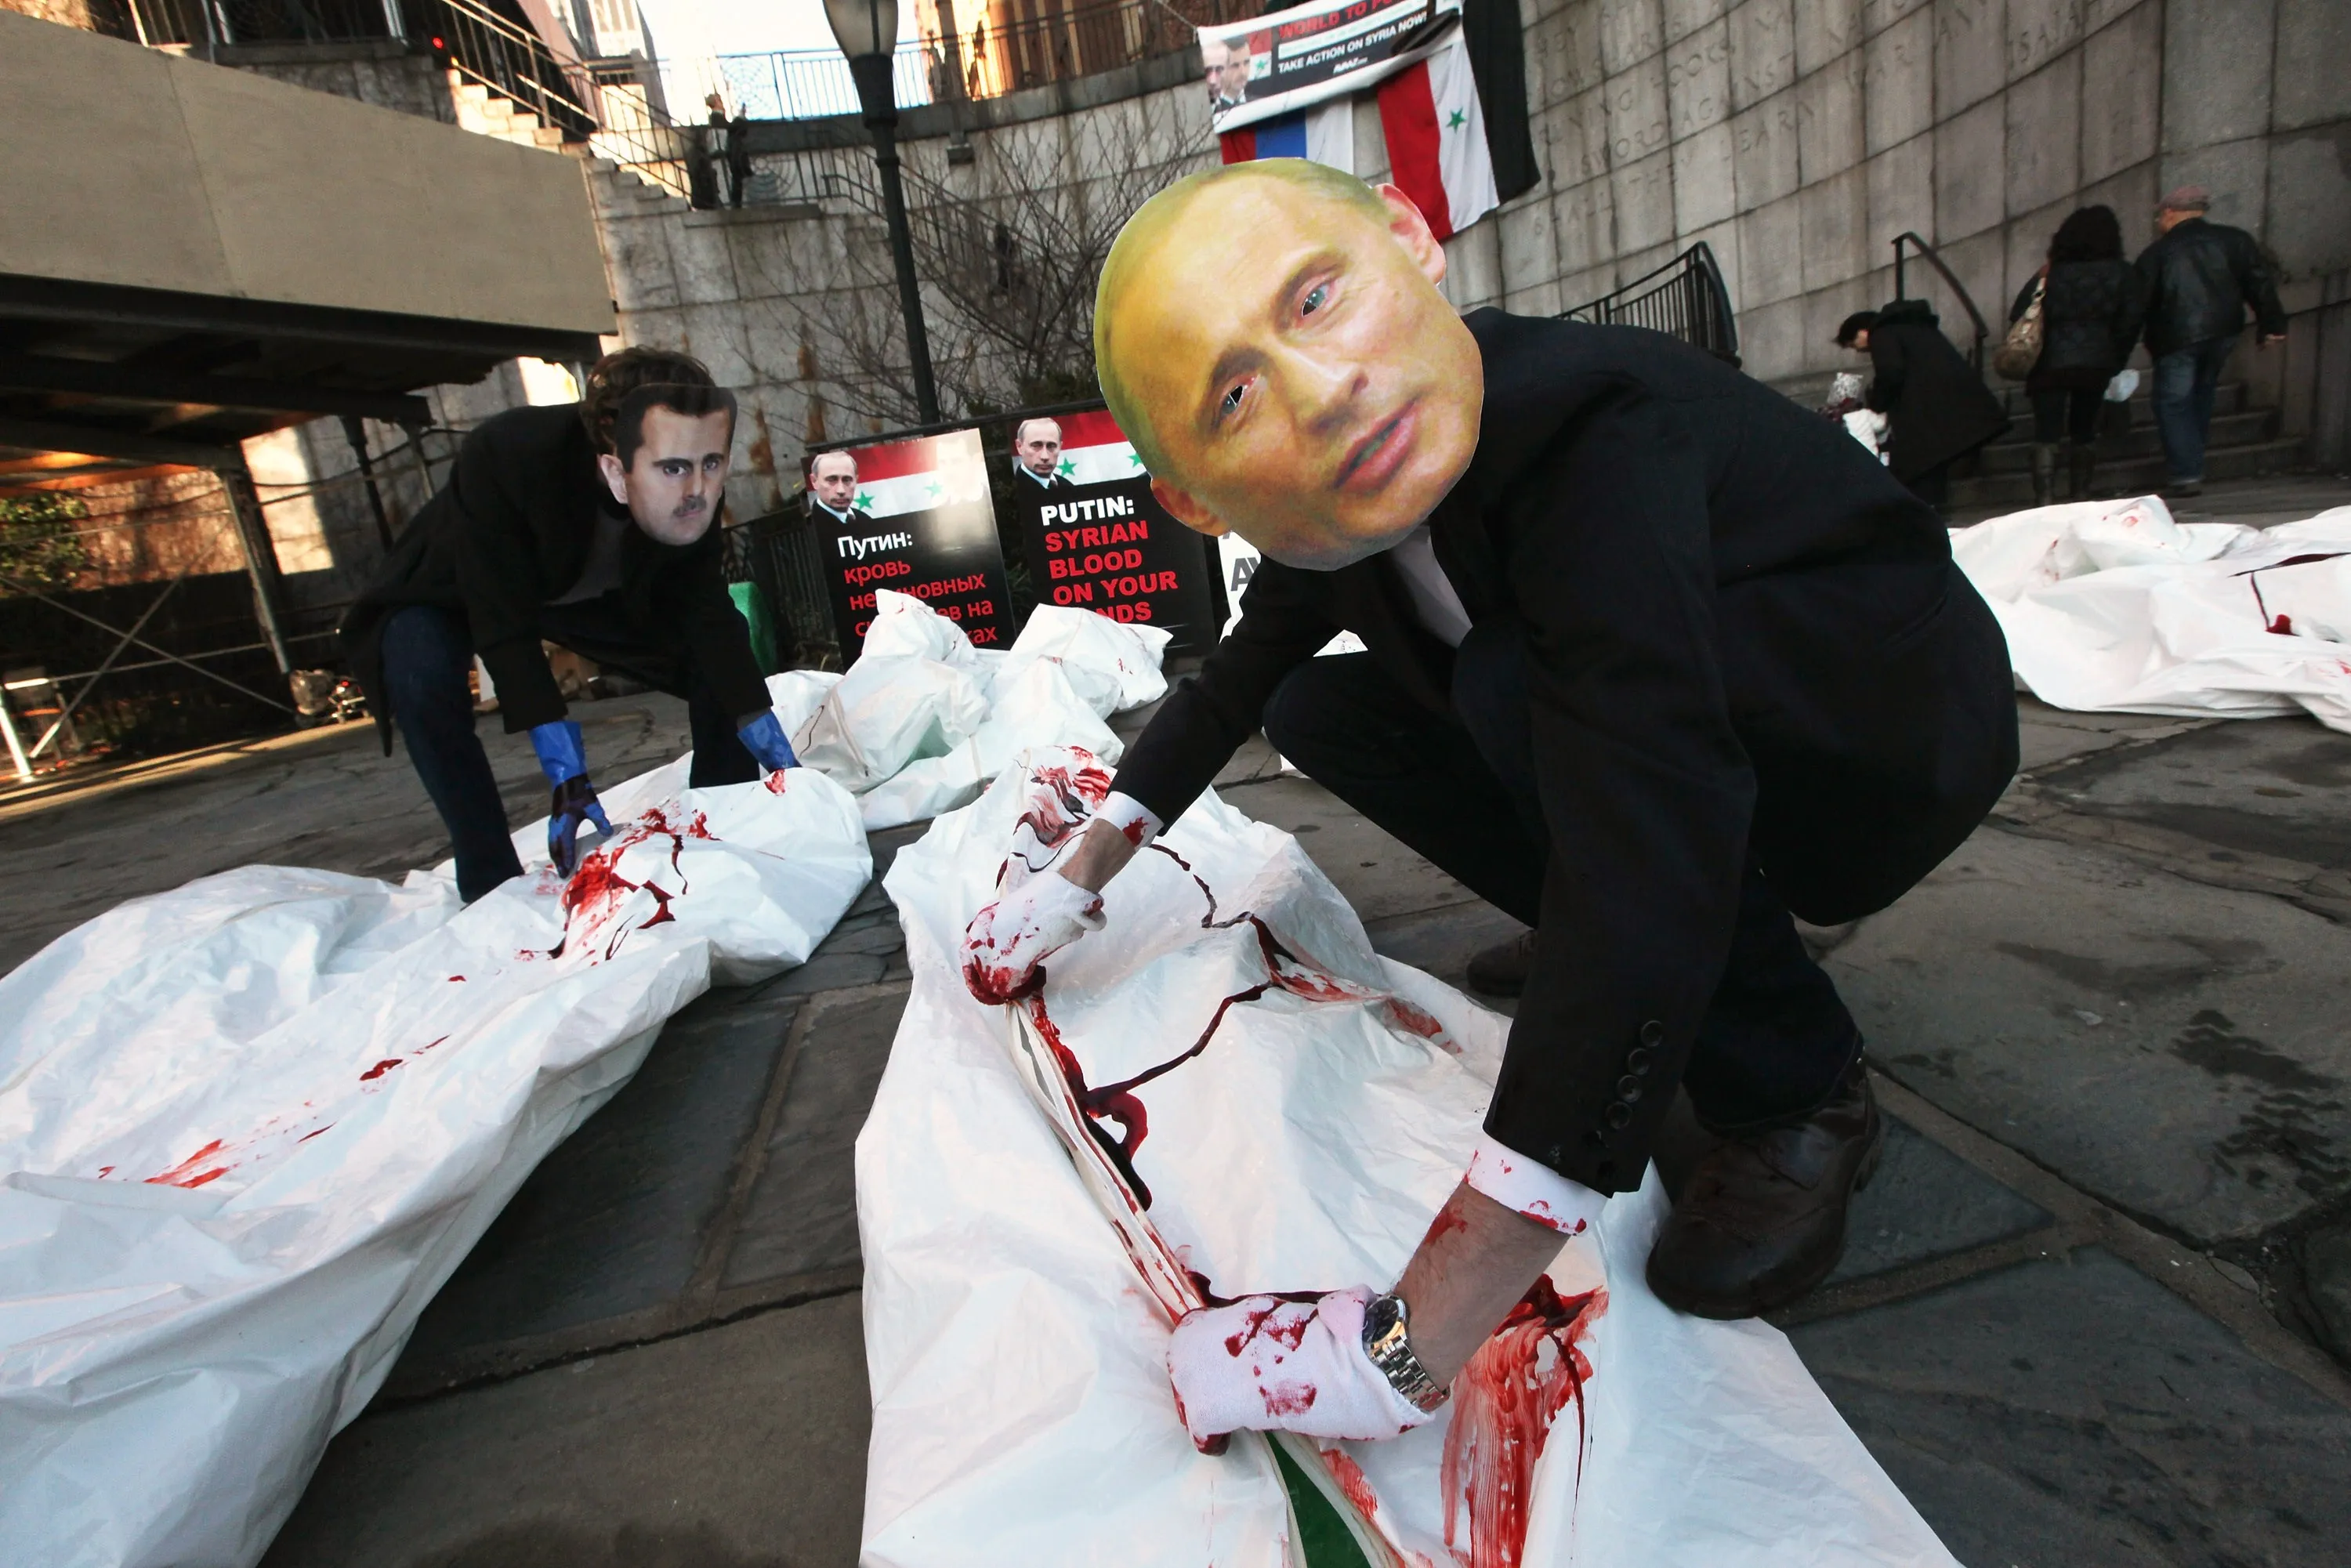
column 985, row 60
column 1975, row 355
column 1686, row 298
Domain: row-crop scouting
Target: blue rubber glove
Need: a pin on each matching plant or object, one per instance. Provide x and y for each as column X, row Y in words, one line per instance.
column 764, row 736
column 564, row 760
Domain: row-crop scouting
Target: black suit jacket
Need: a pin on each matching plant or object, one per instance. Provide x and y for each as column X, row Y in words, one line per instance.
column 1744, row 639
column 1058, row 482
column 510, row 532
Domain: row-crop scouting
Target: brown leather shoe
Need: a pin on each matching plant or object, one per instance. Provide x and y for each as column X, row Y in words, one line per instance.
column 1762, row 1220
column 1501, row 970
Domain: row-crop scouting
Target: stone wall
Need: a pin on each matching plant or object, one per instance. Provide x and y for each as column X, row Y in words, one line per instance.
column 1797, row 137
column 382, row 72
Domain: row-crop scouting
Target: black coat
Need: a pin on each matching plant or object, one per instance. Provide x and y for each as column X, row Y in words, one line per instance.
column 510, row 532
column 2199, row 279
column 1744, row 637
column 1938, row 405
column 2090, row 320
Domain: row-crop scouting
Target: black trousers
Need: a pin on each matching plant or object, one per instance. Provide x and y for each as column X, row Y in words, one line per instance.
column 1462, row 791
column 2058, row 414
column 427, row 653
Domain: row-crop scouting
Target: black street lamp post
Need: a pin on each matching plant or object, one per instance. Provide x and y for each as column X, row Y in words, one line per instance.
column 867, row 31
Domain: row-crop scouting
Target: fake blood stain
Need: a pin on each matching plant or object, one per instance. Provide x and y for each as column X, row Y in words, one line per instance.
column 596, row 891
column 185, row 1172
column 1356, row 1485
column 1503, row 1406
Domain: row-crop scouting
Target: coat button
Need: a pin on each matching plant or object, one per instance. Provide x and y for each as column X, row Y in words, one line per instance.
column 1652, row 1034
column 1637, row 1060
column 1628, row 1090
column 1558, row 1155
column 1619, row 1115
column 1597, row 1138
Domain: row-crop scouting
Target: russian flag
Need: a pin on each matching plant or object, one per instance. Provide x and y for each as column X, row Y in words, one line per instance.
column 1435, row 131
column 1326, row 133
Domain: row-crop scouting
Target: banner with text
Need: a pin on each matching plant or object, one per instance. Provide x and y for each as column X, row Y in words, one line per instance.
column 1292, row 60
column 919, row 520
column 1096, row 539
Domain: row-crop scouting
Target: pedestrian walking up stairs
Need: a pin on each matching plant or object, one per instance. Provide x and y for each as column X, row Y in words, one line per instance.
column 2245, row 440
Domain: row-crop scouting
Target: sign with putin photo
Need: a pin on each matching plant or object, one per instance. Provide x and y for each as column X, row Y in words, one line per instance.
column 1268, row 69
column 913, row 517
column 1094, row 537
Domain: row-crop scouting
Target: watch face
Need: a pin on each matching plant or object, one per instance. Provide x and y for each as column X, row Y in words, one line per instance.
column 1384, row 1321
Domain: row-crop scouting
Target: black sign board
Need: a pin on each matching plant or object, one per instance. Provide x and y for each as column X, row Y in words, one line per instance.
column 1095, row 537
column 919, row 521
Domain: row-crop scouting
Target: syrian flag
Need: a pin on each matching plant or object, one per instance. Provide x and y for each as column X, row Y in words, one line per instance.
column 1324, row 134
column 901, row 476
column 1094, row 450
column 1436, row 128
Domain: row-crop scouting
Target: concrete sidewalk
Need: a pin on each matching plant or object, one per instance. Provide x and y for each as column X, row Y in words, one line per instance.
column 2096, row 1307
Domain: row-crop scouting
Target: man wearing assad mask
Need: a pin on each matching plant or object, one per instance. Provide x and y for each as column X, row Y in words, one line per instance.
column 1656, row 657
column 588, row 525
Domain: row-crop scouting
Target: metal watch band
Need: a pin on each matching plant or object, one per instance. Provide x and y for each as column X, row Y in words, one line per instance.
column 1387, row 1342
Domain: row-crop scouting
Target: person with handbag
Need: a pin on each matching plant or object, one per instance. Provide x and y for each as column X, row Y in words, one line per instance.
column 2070, row 330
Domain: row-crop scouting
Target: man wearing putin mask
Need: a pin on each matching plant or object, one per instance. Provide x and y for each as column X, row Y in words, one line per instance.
column 1657, row 662
column 590, row 526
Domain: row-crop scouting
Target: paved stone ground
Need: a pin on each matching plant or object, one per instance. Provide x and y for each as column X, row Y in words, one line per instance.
column 2096, row 1307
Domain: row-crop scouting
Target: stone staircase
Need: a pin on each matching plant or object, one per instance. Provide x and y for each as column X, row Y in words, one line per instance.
column 2244, row 442
column 488, row 113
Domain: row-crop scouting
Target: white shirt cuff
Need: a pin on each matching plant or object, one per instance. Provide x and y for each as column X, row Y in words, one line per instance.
column 1129, row 816
column 1530, row 1187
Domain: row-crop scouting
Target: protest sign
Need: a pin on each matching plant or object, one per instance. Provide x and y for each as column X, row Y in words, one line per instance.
column 1095, row 537
column 916, row 516
column 1275, row 65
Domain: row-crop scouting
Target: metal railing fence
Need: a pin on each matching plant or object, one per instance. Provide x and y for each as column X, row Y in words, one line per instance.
column 985, row 58
column 1967, row 301
column 1686, row 298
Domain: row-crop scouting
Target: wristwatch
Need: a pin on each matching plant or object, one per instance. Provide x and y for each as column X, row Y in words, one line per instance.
column 1387, row 1342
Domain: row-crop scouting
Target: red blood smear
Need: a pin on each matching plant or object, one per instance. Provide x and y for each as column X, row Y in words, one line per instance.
column 776, row 782
column 1445, row 1224
column 455, row 979
column 1289, row 1399
column 1117, row 1102
column 1503, row 1406
column 1352, row 1481
column 597, row 888
column 1134, row 831
column 2283, row 626
column 105, row 1171
column 186, row 1174
column 380, row 1069
column 307, row 1136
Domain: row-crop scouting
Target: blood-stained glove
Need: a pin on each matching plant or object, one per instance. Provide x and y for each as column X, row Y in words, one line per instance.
column 563, row 758
column 764, row 738
column 1270, row 1365
column 1006, row 944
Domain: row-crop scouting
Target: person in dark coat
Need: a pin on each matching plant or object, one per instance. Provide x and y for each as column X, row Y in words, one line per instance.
column 1655, row 661
column 2200, row 275
column 1937, row 408
column 2092, row 303
column 738, row 157
column 588, row 525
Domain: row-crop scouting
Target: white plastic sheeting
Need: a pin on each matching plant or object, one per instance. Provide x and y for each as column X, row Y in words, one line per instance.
column 1297, row 1108
column 248, row 1128
column 922, row 719
column 2113, row 606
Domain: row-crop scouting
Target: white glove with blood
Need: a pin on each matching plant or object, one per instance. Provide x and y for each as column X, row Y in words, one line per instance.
column 1270, row 1365
column 1008, row 940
